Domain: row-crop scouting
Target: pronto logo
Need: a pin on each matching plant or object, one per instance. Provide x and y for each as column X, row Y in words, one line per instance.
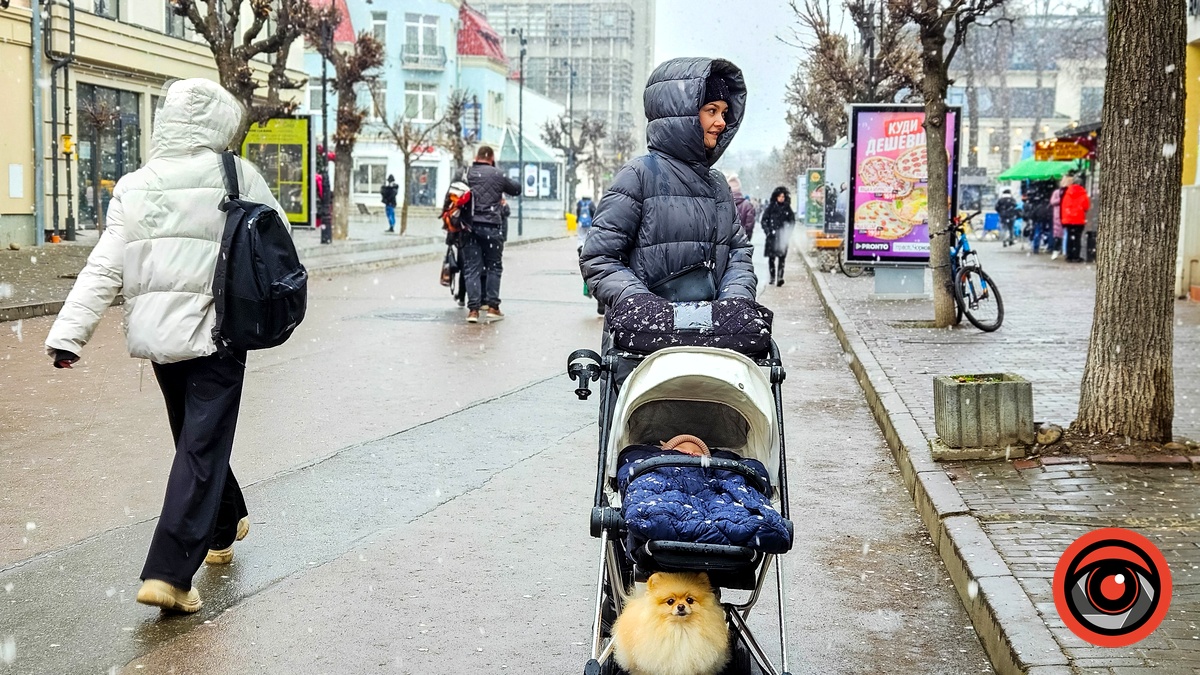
column 1112, row 587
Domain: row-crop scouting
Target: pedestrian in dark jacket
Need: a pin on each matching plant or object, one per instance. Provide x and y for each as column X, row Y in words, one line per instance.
column 742, row 206
column 669, row 210
column 777, row 221
column 388, row 191
column 483, row 246
column 1006, row 208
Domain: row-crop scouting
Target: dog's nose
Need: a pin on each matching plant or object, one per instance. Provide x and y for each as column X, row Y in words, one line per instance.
column 681, row 610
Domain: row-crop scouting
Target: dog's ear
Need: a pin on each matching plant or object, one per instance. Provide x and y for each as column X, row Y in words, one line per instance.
column 652, row 582
column 702, row 578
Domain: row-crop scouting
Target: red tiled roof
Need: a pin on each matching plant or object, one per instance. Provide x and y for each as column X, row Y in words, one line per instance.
column 477, row 37
column 345, row 30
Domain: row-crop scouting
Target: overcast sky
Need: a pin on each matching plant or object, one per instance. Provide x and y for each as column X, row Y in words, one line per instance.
column 742, row 31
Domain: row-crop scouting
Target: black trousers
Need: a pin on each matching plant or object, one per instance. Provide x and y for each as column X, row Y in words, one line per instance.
column 203, row 503
column 483, row 252
column 1074, row 240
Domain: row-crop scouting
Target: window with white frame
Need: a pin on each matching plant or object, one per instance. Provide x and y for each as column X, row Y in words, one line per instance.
column 175, row 25
column 495, row 109
column 379, row 27
column 315, row 95
column 420, row 102
column 369, row 174
column 367, row 95
column 109, row 8
column 421, row 34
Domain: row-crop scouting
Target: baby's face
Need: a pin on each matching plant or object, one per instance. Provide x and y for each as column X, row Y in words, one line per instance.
column 690, row 448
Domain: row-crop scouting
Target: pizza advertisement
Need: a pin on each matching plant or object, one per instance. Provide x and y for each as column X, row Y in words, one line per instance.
column 889, row 193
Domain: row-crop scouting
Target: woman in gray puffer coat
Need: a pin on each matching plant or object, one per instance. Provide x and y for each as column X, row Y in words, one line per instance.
column 670, row 210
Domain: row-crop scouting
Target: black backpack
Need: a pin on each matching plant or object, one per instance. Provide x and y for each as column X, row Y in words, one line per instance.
column 260, row 289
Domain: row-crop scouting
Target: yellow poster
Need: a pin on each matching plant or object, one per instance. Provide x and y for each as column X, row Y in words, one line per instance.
column 280, row 150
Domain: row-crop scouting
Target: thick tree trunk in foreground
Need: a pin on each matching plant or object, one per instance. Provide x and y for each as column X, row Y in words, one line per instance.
column 343, row 165
column 933, row 87
column 1128, row 385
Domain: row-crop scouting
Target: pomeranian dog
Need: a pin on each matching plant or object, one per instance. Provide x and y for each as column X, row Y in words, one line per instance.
column 676, row 628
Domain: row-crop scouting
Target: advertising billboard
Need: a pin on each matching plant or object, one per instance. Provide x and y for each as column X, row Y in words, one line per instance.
column 814, row 197
column 837, row 189
column 889, row 190
column 281, row 151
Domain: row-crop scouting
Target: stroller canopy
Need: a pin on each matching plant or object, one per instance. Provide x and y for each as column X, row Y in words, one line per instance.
column 718, row 395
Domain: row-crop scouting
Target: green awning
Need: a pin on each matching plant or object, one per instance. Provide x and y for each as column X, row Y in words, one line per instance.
column 534, row 154
column 1031, row 169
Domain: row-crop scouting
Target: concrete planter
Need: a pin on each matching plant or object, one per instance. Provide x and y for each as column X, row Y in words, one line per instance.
column 986, row 411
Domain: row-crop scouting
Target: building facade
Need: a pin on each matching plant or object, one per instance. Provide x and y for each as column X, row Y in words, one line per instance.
column 608, row 45
column 125, row 51
column 432, row 49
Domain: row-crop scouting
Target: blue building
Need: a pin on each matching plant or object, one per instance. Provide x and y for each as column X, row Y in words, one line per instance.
column 422, row 43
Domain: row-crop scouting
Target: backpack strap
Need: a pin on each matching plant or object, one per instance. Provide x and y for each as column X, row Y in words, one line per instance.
column 229, row 170
column 233, row 216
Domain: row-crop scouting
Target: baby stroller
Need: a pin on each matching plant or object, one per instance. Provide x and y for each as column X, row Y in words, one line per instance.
column 734, row 403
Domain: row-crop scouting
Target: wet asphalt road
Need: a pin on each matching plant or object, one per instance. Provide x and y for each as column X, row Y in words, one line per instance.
column 419, row 492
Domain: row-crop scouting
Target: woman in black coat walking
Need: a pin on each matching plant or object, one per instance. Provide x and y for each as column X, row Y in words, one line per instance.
column 777, row 222
column 669, row 211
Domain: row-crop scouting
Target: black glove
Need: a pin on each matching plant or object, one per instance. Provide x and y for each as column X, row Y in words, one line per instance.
column 64, row 358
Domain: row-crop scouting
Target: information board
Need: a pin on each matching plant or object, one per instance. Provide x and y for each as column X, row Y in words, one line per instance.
column 889, row 191
column 280, row 150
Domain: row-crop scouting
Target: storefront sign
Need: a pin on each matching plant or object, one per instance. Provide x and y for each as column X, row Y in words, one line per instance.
column 814, row 199
column 889, row 191
column 280, row 150
column 1059, row 151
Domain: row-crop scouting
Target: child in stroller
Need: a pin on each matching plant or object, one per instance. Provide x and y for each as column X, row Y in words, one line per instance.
column 733, row 404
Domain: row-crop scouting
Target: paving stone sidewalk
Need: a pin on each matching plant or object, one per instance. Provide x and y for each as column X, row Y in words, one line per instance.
column 1031, row 511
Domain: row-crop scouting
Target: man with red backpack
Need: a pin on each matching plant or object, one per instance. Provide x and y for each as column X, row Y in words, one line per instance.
column 483, row 245
column 1073, row 210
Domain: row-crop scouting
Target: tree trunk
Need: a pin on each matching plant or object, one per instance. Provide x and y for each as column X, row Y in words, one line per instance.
column 933, row 88
column 1128, row 384
column 343, row 165
column 1004, row 56
column 408, row 162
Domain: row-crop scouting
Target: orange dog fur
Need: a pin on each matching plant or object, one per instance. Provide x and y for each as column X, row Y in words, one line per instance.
column 676, row 628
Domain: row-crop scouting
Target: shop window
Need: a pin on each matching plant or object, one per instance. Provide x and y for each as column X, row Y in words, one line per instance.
column 369, row 174
column 422, row 186
column 109, row 145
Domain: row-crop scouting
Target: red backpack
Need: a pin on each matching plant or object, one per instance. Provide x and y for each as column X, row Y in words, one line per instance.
column 456, row 216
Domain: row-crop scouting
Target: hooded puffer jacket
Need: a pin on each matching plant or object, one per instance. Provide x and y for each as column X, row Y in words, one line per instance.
column 163, row 234
column 669, row 210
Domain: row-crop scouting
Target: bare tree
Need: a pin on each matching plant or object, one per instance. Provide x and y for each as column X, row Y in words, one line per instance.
column 557, row 133
column 1128, row 385
column 879, row 65
column 413, row 138
column 275, row 25
column 593, row 132
column 939, row 22
column 453, row 136
column 353, row 67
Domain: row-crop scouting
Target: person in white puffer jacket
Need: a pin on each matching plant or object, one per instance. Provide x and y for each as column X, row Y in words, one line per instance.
column 159, row 250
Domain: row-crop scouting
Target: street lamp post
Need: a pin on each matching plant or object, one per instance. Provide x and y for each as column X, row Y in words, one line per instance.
column 323, row 206
column 520, row 33
column 570, row 132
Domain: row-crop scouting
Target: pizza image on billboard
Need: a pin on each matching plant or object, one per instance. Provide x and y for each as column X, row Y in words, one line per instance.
column 913, row 165
column 880, row 219
column 889, row 183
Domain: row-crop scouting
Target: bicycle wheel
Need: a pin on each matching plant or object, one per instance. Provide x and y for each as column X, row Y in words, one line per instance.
column 979, row 299
column 851, row 271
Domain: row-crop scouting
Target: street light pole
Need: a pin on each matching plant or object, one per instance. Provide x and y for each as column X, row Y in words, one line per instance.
column 323, row 207
column 570, row 133
column 520, row 33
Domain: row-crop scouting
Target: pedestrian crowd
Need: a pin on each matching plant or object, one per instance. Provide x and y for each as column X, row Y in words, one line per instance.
column 1055, row 216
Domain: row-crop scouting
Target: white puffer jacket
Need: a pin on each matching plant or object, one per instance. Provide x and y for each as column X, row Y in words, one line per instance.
column 163, row 234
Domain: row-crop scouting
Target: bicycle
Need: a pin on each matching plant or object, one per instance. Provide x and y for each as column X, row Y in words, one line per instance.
column 975, row 294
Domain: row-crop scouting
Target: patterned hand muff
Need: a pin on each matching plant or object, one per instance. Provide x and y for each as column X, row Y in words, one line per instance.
column 645, row 323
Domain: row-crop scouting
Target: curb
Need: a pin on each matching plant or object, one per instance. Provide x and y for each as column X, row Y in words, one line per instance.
column 1013, row 634
column 393, row 257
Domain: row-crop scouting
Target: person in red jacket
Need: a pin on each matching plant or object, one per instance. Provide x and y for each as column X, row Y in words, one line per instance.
column 1073, row 212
